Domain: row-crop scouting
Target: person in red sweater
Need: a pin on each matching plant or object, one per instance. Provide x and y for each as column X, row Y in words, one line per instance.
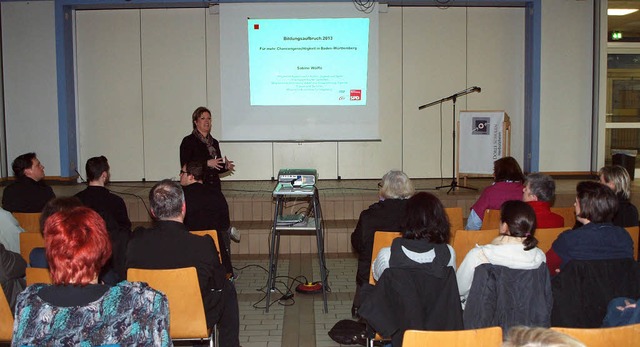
column 539, row 191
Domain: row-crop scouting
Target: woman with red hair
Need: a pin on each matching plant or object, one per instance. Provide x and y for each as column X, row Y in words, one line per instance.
column 76, row 309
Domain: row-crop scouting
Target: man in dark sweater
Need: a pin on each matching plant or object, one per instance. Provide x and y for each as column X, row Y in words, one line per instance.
column 99, row 198
column 28, row 193
column 114, row 212
column 170, row 245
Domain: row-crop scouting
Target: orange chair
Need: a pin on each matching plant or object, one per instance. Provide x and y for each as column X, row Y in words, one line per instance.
column 186, row 310
column 381, row 239
column 29, row 241
column 30, row 222
column 214, row 236
column 38, row 275
column 455, row 219
column 485, row 337
column 628, row 335
column 6, row 319
column 568, row 213
column 465, row 240
column 547, row 236
column 491, row 220
column 633, row 232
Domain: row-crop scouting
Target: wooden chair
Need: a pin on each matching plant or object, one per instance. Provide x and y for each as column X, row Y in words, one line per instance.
column 547, row 236
column 381, row 239
column 633, row 232
column 6, row 319
column 214, row 236
column 29, row 241
column 186, row 310
column 628, row 335
column 485, row 337
column 38, row 275
column 491, row 220
column 568, row 213
column 30, row 222
column 465, row 240
column 455, row 219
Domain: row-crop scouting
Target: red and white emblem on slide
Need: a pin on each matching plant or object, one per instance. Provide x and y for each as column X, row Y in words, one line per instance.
column 355, row 94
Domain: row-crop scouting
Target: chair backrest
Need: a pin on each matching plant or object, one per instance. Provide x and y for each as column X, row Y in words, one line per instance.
column 6, row 319
column 568, row 213
column 628, row 335
column 547, row 236
column 381, row 239
column 491, row 300
column 214, row 236
column 29, row 241
column 455, row 219
column 486, row 337
column 30, row 222
column 38, row 275
column 491, row 220
column 584, row 288
column 633, row 232
column 465, row 240
column 186, row 310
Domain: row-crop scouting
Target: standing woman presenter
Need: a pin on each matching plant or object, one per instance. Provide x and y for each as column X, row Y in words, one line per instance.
column 201, row 146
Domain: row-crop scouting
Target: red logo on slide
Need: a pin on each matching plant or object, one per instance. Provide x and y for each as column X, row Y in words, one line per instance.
column 355, row 94
column 256, row 26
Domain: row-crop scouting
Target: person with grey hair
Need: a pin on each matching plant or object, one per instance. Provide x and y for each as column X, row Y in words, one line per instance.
column 169, row 245
column 617, row 178
column 522, row 336
column 385, row 215
column 539, row 192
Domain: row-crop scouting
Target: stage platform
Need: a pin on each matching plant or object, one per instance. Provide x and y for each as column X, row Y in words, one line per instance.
column 252, row 206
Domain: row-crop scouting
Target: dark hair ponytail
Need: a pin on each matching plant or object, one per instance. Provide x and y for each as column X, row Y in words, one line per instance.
column 521, row 220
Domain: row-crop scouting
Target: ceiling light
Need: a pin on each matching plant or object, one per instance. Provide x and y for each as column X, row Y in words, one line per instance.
column 620, row 11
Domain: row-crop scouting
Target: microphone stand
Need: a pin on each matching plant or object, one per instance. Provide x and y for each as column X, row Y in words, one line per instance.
column 454, row 182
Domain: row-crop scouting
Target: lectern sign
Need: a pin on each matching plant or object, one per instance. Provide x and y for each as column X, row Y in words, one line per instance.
column 482, row 140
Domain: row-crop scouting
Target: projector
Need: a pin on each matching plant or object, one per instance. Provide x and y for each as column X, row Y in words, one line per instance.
column 298, row 177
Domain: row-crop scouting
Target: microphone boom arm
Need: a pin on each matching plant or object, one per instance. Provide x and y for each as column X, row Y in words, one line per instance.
column 452, row 97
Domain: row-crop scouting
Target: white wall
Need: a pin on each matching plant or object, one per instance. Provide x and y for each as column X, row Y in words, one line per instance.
column 425, row 54
column 565, row 89
column 29, row 65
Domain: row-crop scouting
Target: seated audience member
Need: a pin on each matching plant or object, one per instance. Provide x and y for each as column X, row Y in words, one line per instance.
column 170, row 245
column 206, row 210
column 597, row 238
column 76, row 309
column 621, row 311
column 28, row 193
column 113, row 210
column 425, row 237
column 99, row 198
column 508, row 178
column 539, row 192
column 416, row 286
column 617, row 178
column 384, row 215
column 515, row 248
column 38, row 257
column 10, row 231
column 539, row 337
column 12, row 272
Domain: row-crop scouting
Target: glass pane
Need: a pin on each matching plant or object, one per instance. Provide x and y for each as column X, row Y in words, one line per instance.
column 625, row 101
column 620, row 139
column 625, row 26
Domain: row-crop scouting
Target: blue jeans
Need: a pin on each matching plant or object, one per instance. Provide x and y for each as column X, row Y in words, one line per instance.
column 474, row 222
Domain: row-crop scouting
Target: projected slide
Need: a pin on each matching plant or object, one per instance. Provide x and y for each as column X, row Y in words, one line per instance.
column 308, row 61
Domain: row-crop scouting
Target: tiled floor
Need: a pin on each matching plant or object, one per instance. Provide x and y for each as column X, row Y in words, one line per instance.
column 300, row 321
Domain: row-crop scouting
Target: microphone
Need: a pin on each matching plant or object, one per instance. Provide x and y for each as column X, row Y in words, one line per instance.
column 476, row 89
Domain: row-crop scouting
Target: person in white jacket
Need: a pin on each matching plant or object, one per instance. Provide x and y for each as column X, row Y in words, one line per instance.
column 515, row 248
